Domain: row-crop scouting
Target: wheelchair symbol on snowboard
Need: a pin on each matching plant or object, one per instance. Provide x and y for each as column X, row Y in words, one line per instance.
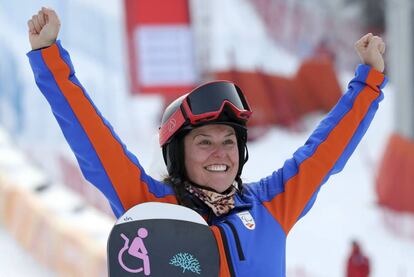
column 136, row 249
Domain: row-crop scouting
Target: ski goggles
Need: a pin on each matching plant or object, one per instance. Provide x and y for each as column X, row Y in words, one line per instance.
column 206, row 103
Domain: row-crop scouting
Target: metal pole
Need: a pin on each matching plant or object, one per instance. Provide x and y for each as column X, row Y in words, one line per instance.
column 400, row 39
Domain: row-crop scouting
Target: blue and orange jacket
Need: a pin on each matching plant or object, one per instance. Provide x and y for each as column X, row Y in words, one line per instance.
column 252, row 237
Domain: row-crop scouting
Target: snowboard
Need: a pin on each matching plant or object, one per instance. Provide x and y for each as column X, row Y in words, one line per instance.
column 160, row 239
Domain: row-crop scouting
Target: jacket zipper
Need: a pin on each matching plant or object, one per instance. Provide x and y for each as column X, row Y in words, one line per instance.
column 226, row 249
column 237, row 239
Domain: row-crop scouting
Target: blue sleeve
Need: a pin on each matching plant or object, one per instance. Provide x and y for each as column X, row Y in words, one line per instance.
column 103, row 158
column 291, row 191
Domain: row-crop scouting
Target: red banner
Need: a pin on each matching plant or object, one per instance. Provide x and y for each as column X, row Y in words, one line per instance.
column 160, row 46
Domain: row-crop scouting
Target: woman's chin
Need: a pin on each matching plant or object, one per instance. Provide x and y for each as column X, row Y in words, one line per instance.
column 220, row 187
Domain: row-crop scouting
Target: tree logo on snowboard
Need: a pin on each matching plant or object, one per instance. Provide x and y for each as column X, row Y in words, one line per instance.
column 187, row 262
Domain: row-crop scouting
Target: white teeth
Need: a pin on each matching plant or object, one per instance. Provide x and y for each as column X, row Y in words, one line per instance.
column 217, row 167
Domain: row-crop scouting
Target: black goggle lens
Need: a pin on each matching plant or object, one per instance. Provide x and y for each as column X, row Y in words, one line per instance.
column 210, row 97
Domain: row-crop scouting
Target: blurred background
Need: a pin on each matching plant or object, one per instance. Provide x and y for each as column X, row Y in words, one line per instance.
column 292, row 58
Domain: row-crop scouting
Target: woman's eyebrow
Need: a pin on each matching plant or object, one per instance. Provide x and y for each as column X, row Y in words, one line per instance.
column 201, row 134
column 231, row 133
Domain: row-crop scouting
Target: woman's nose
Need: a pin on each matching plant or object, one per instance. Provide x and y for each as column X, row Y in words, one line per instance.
column 219, row 151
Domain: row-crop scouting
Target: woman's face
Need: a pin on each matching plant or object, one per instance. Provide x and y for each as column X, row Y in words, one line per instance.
column 211, row 156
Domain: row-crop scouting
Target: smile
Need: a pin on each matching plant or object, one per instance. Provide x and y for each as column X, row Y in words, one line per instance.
column 217, row 168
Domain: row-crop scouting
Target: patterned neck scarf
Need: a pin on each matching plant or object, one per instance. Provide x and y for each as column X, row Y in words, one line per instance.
column 220, row 203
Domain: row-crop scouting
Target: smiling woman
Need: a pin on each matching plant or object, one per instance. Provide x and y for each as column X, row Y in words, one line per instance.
column 212, row 156
column 203, row 137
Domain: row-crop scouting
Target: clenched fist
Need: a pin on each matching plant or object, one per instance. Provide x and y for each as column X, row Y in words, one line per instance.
column 371, row 49
column 43, row 28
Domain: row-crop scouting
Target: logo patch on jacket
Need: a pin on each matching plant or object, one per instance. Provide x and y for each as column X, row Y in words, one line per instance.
column 247, row 219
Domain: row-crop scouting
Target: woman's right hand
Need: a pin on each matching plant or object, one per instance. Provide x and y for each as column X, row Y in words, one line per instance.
column 371, row 50
column 43, row 28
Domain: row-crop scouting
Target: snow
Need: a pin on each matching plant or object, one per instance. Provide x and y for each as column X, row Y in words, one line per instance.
column 317, row 246
column 15, row 262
